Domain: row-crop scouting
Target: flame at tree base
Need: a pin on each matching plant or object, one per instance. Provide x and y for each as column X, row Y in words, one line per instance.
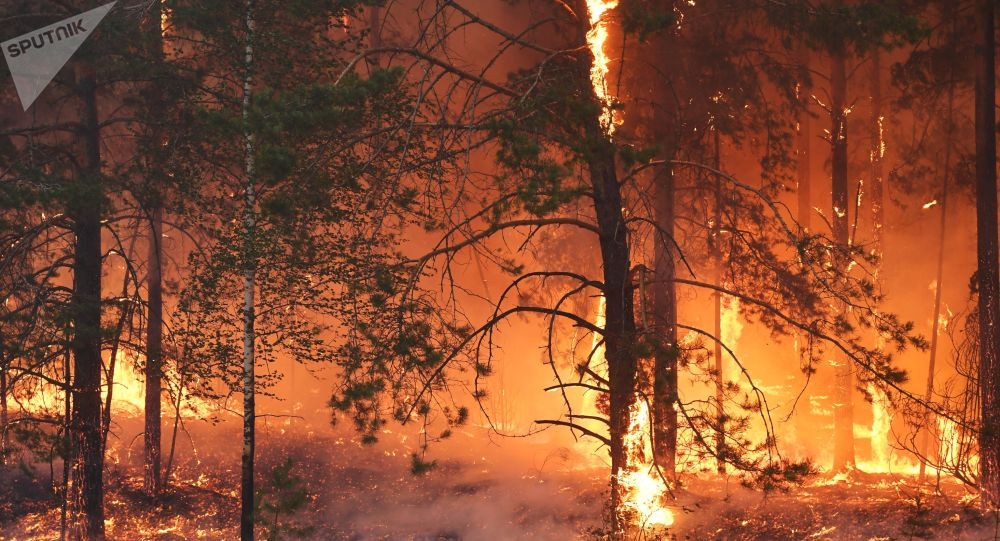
column 643, row 487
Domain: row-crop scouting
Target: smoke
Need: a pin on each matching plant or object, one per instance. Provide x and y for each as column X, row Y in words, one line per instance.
column 477, row 491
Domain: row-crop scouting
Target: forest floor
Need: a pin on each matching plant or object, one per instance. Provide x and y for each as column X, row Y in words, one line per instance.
column 370, row 494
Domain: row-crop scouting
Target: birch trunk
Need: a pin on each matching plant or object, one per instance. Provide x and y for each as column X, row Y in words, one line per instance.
column 249, row 285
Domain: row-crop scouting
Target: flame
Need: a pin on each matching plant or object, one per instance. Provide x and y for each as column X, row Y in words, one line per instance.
column 883, row 458
column 590, row 399
column 643, row 486
column 881, row 426
column 732, row 328
column 129, row 392
column 949, row 436
column 164, row 20
column 597, row 37
column 643, row 489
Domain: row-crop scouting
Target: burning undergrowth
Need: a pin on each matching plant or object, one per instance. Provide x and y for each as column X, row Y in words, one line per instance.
column 863, row 507
column 349, row 491
column 521, row 489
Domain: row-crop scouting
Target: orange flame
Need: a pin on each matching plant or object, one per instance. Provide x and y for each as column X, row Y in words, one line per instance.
column 597, row 37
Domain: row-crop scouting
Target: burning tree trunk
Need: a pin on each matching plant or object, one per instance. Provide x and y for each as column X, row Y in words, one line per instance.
column 664, row 317
column 249, row 284
column 619, row 330
column 987, row 253
column 85, row 309
column 154, row 354
column 881, row 417
column 843, row 408
column 876, row 153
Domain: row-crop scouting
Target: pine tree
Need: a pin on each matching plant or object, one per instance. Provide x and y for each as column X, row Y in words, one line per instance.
column 988, row 276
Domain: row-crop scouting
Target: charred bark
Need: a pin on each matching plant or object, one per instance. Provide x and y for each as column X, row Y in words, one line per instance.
column 988, row 277
column 664, row 318
column 717, row 256
column 619, row 330
column 85, row 309
column 620, row 324
column 154, row 355
column 843, row 408
column 153, row 373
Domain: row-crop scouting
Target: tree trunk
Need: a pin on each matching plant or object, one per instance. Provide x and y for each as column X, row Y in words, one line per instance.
column 620, row 327
column 876, row 154
column 67, row 447
column 664, row 318
column 805, row 144
column 987, row 253
column 153, row 372
column 843, row 408
column 619, row 330
column 249, row 285
column 154, row 355
column 4, row 419
column 85, row 309
column 717, row 256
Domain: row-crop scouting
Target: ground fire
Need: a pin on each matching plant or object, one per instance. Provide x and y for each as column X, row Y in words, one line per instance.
column 499, row 269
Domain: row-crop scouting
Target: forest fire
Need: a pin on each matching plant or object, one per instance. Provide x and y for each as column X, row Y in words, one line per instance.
column 506, row 269
column 644, row 484
column 645, row 488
